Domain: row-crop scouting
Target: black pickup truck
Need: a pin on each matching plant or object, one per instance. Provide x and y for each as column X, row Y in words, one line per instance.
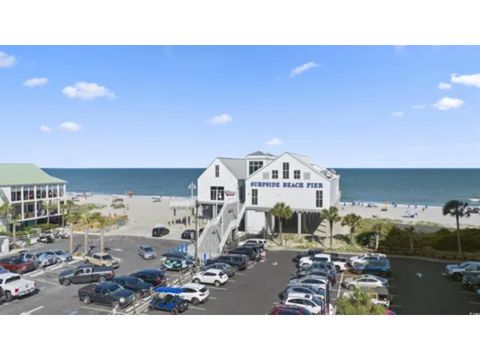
column 106, row 293
column 86, row 274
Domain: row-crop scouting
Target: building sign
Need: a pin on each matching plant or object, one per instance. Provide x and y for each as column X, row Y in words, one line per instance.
column 275, row 184
column 230, row 193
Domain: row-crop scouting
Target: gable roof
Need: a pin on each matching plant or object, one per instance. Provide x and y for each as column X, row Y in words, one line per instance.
column 25, row 174
column 260, row 153
column 238, row 167
column 305, row 160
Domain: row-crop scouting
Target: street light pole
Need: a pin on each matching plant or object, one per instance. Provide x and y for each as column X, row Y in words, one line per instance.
column 196, row 235
column 192, row 188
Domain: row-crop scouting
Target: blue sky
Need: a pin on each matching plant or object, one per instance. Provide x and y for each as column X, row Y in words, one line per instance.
column 355, row 106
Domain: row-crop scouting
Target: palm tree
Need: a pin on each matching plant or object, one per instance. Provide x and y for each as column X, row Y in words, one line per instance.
column 5, row 211
column 102, row 222
column 352, row 221
column 72, row 218
column 9, row 212
column 331, row 215
column 458, row 209
column 86, row 220
column 65, row 209
column 49, row 207
column 410, row 230
column 281, row 211
column 378, row 229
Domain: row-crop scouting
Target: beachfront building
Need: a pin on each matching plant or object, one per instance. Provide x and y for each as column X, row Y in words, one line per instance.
column 35, row 195
column 261, row 180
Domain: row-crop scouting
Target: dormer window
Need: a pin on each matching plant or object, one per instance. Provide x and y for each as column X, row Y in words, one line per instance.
column 217, row 171
column 254, row 166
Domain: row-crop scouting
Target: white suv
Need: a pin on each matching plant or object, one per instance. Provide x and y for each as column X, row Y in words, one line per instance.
column 195, row 293
column 307, row 302
column 14, row 286
column 212, row 277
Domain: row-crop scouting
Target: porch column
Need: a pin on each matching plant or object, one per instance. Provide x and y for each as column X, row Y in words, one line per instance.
column 299, row 223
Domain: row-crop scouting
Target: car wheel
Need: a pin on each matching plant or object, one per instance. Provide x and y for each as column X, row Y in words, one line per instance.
column 8, row 296
column 217, row 283
column 195, row 301
column 351, row 287
column 338, row 268
column 151, row 308
column 86, row 300
column 196, row 281
column 101, row 279
column 66, row 282
column 174, row 312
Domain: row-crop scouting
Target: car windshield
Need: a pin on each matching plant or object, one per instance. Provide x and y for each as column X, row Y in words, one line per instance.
column 107, row 257
column 12, row 279
column 148, row 249
column 113, row 287
column 59, row 252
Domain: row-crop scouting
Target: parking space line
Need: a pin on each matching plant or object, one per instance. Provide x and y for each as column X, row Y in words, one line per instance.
column 215, row 288
column 197, row 308
column 474, row 303
column 239, row 273
column 232, row 280
column 340, row 285
column 73, row 262
column 212, row 298
column 32, row 311
column 35, row 273
column 110, row 312
column 47, row 282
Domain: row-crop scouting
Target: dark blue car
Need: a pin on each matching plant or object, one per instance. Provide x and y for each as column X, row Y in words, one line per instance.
column 170, row 303
column 379, row 268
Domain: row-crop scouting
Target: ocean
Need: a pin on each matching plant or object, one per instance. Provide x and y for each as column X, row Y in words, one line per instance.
column 431, row 187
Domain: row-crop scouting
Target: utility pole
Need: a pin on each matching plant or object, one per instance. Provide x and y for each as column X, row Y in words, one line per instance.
column 196, row 235
column 192, row 188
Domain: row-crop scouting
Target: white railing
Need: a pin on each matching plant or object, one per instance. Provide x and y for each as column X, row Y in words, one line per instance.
column 218, row 230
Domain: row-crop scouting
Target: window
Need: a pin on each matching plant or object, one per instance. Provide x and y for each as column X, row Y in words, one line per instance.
column 286, row 170
column 296, row 174
column 217, row 171
column 16, row 194
column 254, row 196
column 306, row 176
column 274, row 174
column 266, row 176
column 319, row 199
column 253, row 166
column 217, row 193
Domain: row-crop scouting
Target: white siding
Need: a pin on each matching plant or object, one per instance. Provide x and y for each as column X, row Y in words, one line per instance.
column 208, row 179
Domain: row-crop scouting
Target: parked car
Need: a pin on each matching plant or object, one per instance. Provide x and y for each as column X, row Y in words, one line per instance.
column 46, row 239
column 2, row 296
column 384, row 281
column 30, row 257
column 308, row 253
column 173, row 304
column 361, row 283
column 316, row 281
column 289, row 310
column 106, row 293
column 254, row 241
column 195, row 293
column 259, row 248
column 3, row 270
column 14, row 286
column 309, row 260
column 304, row 289
column 85, row 274
column 227, row 269
column 456, row 271
column 137, row 285
column 318, row 272
column 250, row 252
column 46, row 259
column 62, row 255
column 240, row 262
column 179, row 255
column 308, row 302
column 102, row 259
column 146, row 252
column 381, row 268
column 316, row 266
column 212, row 277
column 151, row 276
column 340, row 264
column 160, row 231
column 17, row 265
column 189, row 234
column 471, row 281
column 363, row 259
column 175, row 264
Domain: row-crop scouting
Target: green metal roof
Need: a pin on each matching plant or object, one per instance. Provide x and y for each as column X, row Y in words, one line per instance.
column 25, row 174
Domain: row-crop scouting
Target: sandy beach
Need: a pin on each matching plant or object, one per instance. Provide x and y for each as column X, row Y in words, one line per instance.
column 144, row 212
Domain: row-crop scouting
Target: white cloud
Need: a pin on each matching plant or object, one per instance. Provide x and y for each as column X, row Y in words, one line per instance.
column 45, row 129
column 87, row 91
column 274, row 142
column 419, row 106
column 35, row 82
column 221, row 119
column 444, row 86
column 302, row 68
column 6, row 60
column 447, row 103
column 70, row 126
column 468, row 80
column 398, row 114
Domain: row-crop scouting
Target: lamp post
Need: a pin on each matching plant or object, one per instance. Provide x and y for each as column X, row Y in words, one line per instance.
column 192, row 188
column 195, row 236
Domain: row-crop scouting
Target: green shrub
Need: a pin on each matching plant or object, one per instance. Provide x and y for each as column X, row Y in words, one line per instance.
column 359, row 303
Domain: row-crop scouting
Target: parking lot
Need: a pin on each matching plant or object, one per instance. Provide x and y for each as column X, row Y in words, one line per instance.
column 418, row 286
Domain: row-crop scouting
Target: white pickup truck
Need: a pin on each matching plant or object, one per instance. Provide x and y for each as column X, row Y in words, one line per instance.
column 14, row 286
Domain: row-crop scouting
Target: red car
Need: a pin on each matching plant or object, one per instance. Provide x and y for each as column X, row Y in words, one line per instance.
column 17, row 265
column 289, row 310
